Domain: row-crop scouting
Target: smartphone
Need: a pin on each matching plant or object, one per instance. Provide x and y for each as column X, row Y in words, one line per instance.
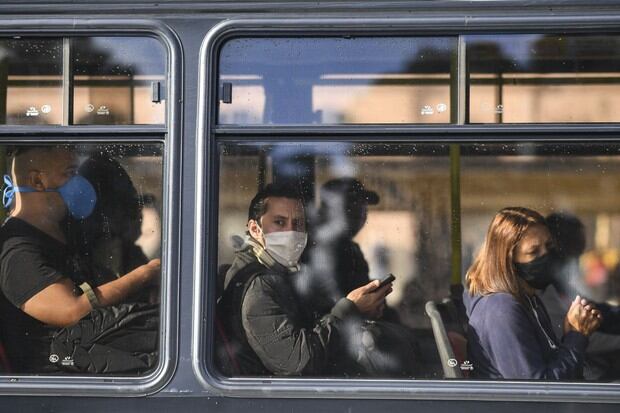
column 385, row 281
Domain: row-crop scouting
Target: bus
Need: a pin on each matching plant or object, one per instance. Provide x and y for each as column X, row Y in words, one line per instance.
column 434, row 114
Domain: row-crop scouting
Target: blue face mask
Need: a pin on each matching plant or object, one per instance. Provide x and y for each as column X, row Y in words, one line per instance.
column 77, row 193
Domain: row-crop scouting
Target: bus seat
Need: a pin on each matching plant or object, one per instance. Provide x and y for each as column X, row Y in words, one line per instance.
column 449, row 336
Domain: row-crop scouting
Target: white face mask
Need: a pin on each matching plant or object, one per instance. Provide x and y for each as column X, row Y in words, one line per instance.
column 286, row 247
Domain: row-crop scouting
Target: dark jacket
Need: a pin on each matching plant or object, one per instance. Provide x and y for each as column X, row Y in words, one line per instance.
column 611, row 318
column 505, row 340
column 274, row 332
column 351, row 266
column 334, row 269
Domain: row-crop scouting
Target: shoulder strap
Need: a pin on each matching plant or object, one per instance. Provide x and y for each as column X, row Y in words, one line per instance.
column 228, row 310
column 238, row 286
column 228, row 316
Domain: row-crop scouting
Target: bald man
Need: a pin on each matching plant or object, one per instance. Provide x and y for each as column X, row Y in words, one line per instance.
column 37, row 294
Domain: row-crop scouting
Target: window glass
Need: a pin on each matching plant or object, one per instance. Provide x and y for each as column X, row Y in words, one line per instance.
column 573, row 187
column 401, row 234
column 30, row 81
column 577, row 179
column 118, row 80
column 369, row 210
column 94, row 244
column 335, row 80
column 543, row 78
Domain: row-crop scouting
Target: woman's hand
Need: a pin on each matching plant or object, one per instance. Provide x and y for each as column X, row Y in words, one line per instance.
column 582, row 317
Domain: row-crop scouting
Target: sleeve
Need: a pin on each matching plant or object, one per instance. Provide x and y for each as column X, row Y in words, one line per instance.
column 24, row 271
column 515, row 351
column 272, row 324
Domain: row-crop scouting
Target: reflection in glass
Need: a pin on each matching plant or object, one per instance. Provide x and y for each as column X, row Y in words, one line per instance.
column 115, row 78
column 543, row 78
column 31, row 81
column 335, row 80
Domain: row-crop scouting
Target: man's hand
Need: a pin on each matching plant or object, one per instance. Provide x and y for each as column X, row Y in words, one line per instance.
column 152, row 271
column 369, row 300
column 145, row 277
column 582, row 317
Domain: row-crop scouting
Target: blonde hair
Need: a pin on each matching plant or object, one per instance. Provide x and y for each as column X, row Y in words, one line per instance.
column 493, row 270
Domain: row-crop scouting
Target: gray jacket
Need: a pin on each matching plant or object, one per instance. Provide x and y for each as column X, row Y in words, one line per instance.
column 275, row 332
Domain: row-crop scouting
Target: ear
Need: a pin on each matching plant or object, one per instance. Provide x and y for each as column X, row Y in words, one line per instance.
column 35, row 180
column 255, row 231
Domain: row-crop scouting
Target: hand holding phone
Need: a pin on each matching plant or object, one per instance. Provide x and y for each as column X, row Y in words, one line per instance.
column 367, row 302
column 385, row 281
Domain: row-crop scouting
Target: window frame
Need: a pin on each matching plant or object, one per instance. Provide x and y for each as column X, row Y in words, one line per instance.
column 167, row 134
column 209, row 134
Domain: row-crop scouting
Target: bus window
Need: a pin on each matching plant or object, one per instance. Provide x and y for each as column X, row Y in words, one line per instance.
column 118, row 80
column 543, row 78
column 31, row 81
column 573, row 186
column 336, row 80
column 79, row 259
column 372, row 210
column 361, row 226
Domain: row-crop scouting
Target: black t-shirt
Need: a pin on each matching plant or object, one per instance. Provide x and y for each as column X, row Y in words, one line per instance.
column 30, row 261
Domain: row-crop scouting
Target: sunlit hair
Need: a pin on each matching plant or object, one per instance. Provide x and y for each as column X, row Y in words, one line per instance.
column 28, row 158
column 493, row 270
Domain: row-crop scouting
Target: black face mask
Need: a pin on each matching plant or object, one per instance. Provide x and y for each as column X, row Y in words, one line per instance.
column 538, row 273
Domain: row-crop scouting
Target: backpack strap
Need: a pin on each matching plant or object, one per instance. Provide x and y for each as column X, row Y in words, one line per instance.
column 237, row 287
column 228, row 346
column 228, row 310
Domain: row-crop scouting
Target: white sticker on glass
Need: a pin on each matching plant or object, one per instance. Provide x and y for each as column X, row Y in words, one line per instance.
column 32, row 111
column 467, row 365
column 103, row 110
column 427, row 110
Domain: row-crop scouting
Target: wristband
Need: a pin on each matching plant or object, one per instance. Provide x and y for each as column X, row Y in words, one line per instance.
column 90, row 294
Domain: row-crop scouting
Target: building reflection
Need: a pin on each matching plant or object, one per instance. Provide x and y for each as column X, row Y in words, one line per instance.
column 113, row 81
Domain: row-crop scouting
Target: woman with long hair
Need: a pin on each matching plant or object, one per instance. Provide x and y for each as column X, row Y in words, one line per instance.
column 510, row 335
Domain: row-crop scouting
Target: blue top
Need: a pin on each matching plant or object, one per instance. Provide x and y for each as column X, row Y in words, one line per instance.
column 513, row 340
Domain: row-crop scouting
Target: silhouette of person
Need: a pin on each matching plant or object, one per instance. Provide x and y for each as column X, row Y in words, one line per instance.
column 106, row 240
column 344, row 209
column 603, row 351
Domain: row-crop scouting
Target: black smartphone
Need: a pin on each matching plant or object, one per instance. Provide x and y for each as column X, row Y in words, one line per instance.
column 385, row 281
